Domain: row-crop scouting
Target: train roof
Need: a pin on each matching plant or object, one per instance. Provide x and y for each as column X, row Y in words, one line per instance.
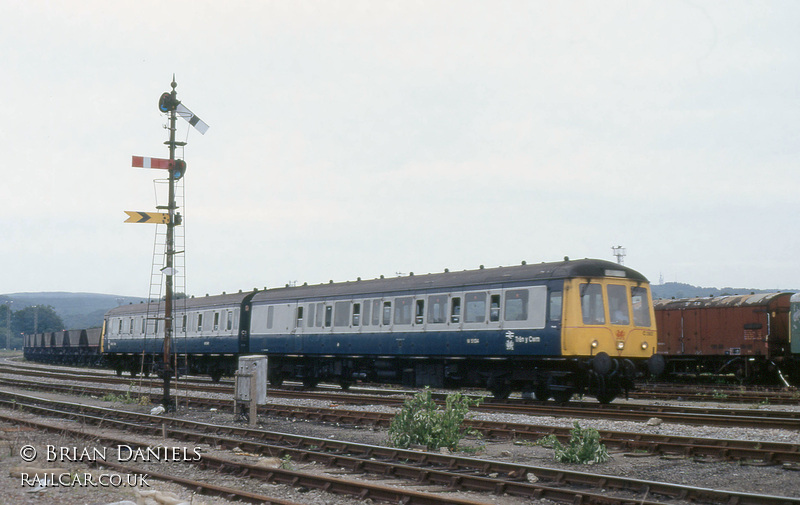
column 225, row 299
column 589, row 268
column 755, row 300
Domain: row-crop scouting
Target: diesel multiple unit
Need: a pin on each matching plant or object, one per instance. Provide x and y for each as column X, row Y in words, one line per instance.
column 552, row 329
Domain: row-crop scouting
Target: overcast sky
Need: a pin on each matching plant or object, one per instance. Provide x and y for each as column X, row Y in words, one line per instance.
column 354, row 139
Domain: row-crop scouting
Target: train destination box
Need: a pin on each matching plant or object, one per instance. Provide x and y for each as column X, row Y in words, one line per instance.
column 251, row 379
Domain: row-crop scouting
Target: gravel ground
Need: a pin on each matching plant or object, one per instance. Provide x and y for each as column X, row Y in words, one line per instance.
column 774, row 480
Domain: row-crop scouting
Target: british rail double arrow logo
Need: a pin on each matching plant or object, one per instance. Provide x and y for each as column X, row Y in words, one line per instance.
column 147, row 217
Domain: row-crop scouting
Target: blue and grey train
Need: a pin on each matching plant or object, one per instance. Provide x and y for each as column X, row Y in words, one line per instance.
column 552, row 329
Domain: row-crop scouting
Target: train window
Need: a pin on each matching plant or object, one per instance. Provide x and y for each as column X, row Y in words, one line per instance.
column 475, row 308
column 555, row 305
column 328, row 315
column 183, row 323
column 641, row 306
column 356, row 313
column 402, row 310
column 270, row 316
column 216, row 321
column 437, row 309
column 199, row 323
column 318, row 322
column 455, row 310
column 618, row 304
column 299, row 323
column 342, row 315
column 119, row 328
column 592, row 306
column 376, row 312
column 516, row 308
column 419, row 313
column 366, row 312
column 229, row 320
column 310, row 315
column 387, row 313
column 494, row 308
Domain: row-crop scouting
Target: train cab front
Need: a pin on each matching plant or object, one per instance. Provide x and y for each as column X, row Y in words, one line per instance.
column 609, row 328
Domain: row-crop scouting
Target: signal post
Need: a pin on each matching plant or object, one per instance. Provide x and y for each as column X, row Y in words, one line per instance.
column 168, row 103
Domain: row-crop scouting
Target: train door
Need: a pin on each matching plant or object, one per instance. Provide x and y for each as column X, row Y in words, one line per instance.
column 244, row 326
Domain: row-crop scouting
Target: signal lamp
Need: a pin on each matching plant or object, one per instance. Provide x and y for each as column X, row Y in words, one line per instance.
column 644, row 346
column 620, row 345
column 595, row 343
column 178, row 169
column 167, row 102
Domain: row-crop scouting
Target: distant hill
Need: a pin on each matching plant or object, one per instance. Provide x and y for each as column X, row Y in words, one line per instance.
column 77, row 310
column 681, row 290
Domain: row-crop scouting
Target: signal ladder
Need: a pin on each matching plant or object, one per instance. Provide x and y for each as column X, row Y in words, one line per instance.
column 155, row 309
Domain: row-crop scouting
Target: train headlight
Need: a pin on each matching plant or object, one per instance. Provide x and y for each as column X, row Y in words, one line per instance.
column 595, row 343
column 644, row 346
column 620, row 345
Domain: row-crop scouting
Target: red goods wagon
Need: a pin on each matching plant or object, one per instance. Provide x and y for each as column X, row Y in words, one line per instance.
column 747, row 336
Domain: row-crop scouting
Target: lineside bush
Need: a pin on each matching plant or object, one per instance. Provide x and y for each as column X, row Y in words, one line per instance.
column 584, row 446
column 421, row 422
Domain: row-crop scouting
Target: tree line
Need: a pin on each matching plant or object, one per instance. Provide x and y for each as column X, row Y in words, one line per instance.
column 32, row 319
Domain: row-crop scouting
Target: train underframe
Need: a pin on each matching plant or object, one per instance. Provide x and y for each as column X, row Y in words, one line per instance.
column 736, row 369
column 601, row 376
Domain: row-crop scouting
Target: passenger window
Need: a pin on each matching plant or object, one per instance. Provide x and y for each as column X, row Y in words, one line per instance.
column 270, row 316
column 419, row 313
column 641, row 306
column 516, row 307
column 437, row 309
column 342, row 316
column 555, row 305
column 376, row 312
column 618, row 304
column 183, row 323
column 299, row 323
column 310, row 322
column 356, row 313
column 455, row 310
column 328, row 316
column 592, row 306
column 229, row 320
column 366, row 312
column 216, row 321
column 494, row 308
column 402, row 310
column 387, row 313
column 475, row 310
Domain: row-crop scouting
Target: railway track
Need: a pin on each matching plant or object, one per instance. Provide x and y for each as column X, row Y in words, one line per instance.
column 446, row 472
column 705, row 415
column 751, row 452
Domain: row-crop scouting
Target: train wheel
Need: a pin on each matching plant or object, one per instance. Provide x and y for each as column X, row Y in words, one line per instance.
column 345, row 384
column 310, row 382
column 605, row 397
column 275, row 380
column 216, row 375
column 562, row 396
column 541, row 393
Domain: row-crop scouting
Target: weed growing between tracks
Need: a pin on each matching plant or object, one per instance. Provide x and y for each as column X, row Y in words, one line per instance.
column 422, row 422
column 584, row 446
